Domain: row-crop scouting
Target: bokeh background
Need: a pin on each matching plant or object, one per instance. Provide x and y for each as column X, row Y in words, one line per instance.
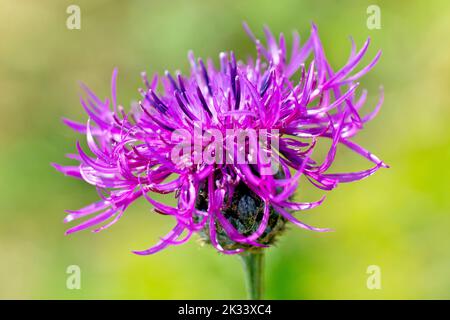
column 398, row 219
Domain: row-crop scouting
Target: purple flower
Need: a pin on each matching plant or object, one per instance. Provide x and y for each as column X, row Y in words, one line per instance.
column 234, row 205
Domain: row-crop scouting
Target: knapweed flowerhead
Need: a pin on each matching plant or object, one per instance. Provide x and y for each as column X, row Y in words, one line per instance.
column 228, row 142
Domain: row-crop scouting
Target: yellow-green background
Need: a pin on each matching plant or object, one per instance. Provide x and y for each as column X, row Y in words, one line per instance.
column 398, row 219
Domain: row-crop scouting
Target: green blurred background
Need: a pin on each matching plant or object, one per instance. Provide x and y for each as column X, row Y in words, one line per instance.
column 398, row 219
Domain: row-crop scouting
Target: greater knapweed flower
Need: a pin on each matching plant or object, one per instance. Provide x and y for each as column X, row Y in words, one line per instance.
column 229, row 143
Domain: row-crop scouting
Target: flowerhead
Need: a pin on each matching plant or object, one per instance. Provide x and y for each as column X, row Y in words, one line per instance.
column 228, row 142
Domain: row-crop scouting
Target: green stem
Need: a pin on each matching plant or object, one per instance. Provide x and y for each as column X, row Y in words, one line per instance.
column 253, row 262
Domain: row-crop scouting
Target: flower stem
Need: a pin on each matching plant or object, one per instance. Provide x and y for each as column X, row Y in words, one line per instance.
column 253, row 262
